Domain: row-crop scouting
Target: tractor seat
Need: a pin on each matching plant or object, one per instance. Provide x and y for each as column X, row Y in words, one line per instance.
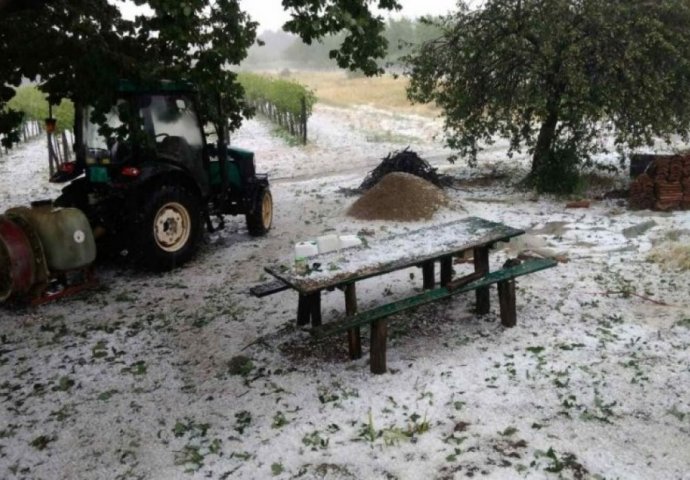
column 175, row 148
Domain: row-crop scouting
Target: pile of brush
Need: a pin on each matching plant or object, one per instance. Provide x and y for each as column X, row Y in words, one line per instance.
column 405, row 161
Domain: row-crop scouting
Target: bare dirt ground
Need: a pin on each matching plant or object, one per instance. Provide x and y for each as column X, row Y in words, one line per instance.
column 141, row 379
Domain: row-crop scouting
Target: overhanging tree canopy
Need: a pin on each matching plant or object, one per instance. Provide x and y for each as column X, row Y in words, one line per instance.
column 552, row 76
column 79, row 49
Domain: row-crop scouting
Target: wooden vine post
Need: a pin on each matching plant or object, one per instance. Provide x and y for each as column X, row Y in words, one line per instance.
column 65, row 147
column 50, row 129
column 303, row 120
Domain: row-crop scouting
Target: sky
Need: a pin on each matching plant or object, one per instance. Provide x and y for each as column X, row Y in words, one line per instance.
column 271, row 16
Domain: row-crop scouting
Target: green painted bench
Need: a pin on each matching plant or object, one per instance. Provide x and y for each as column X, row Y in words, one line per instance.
column 268, row 288
column 377, row 317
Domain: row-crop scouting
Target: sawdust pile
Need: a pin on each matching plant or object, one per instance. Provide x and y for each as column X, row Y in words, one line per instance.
column 399, row 197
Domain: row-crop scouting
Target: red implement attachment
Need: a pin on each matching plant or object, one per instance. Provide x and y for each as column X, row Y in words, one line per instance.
column 17, row 261
column 24, row 274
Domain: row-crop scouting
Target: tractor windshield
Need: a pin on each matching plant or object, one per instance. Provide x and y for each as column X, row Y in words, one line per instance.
column 167, row 121
column 172, row 122
column 93, row 139
column 170, row 116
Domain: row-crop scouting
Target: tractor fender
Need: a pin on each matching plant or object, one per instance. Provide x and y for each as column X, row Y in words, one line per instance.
column 155, row 174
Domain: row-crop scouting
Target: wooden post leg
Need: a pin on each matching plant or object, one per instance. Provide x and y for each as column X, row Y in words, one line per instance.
column 446, row 270
column 428, row 273
column 354, row 338
column 377, row 355
column 481, row 264
column 315, row 309
column 303, row 310
column 506, row 299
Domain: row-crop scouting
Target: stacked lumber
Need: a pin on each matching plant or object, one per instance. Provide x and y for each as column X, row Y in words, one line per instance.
column 642, row 193
column 664, row 186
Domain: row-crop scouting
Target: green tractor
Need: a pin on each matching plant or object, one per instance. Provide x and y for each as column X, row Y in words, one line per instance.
column 149, row 193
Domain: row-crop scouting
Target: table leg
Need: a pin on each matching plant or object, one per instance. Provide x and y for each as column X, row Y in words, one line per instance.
column 446, row 270
column 506, row 299
column 481, row 264
column 428, row 274
column 315, row 309
column 377, row 354
column 303, row 310
column 354, row 339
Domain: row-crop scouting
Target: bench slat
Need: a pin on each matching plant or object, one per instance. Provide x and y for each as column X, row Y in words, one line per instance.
column 430, row 296
column 269, row 288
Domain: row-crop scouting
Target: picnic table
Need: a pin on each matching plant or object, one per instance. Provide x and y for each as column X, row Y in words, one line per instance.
column 419, row 248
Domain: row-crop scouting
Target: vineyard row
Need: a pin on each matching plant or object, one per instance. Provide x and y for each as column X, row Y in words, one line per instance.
column 285, row 102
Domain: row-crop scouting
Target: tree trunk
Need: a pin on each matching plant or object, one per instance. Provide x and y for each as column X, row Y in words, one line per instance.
column 547, row 135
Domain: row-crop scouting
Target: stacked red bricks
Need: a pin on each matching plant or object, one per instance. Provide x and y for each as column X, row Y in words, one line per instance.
column 664, row 186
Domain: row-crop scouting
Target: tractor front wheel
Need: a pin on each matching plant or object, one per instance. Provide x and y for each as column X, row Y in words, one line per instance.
column 168, row 230
column 259, row 220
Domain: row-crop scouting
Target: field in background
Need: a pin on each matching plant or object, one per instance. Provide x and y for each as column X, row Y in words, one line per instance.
column 384, row 92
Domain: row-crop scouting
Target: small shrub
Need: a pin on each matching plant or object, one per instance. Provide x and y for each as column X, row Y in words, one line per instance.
column 560, row 173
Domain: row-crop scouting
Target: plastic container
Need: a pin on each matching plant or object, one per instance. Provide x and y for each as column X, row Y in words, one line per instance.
column 65, row 234
column 328, row 243
column 306, row 249
column 347, row 241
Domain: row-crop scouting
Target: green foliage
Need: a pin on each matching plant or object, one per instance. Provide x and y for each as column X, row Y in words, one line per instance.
column 363, row 42
column 279, row 420
column 10, row 122
column 41, row 442
column 80, row 49
column 198, row 445
column 240, row 365
column 553, row 76
column 559, row 173
column 243, row 420
column 285, row 95
column 315, row 441
column 33, row 104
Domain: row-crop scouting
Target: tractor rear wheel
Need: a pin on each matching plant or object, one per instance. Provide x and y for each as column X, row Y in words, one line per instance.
column 260, row 219
column 168, row 230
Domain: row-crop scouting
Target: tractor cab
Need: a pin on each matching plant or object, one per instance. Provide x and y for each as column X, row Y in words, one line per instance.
column 147, row 179
column 142, row 126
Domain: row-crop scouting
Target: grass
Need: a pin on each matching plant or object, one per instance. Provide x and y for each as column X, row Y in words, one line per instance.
column 391, row 137
column 385, row 92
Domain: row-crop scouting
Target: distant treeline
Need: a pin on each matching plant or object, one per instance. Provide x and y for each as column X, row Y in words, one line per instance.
column 284, row 49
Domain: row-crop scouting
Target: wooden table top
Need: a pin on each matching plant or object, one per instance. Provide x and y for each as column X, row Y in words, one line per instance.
column 393, row 253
